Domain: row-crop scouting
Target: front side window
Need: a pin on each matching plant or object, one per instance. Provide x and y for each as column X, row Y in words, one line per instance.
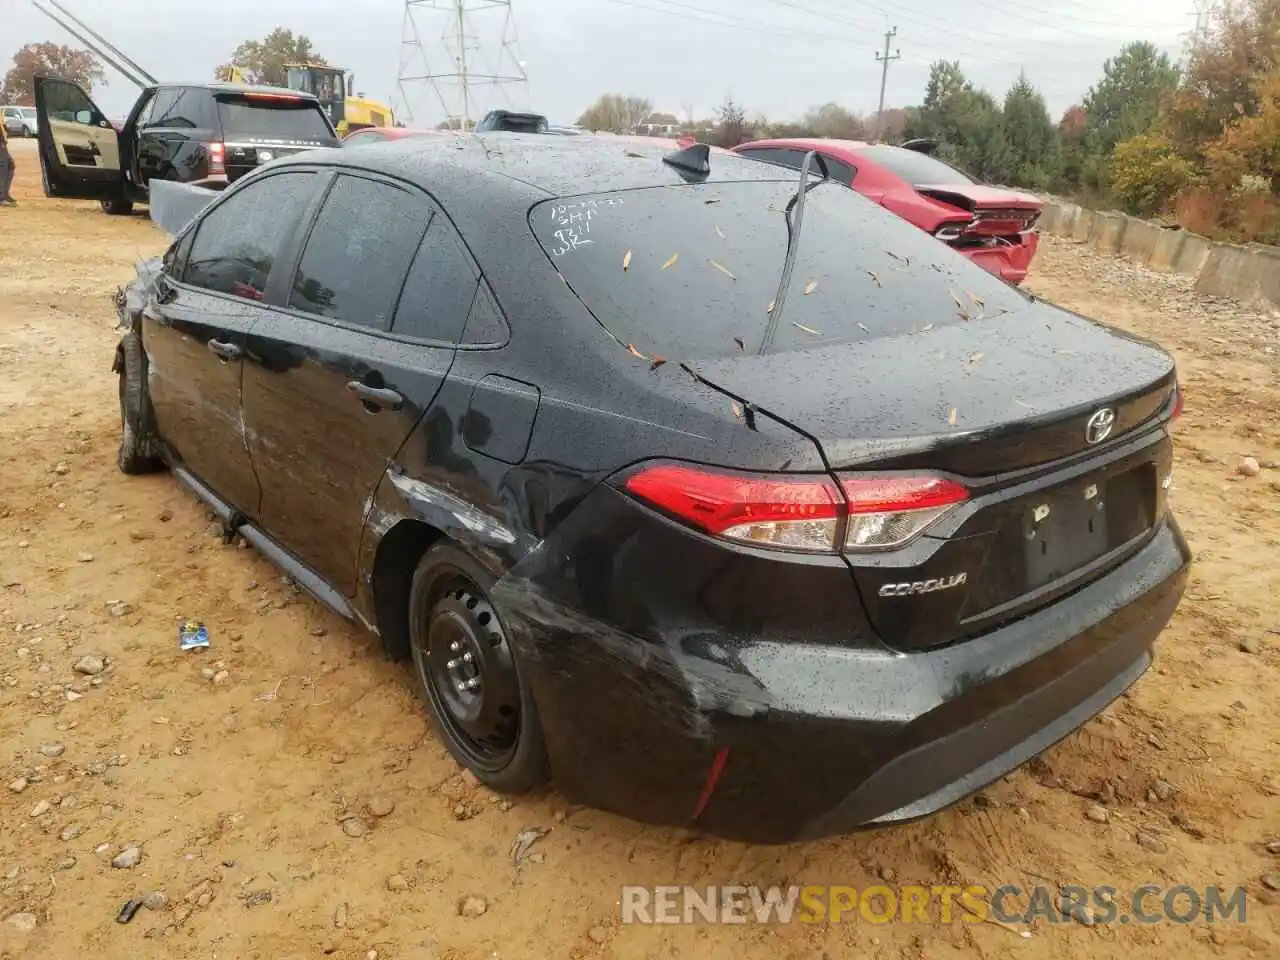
column 235, row 244
column 359, row 251
column 65, row 101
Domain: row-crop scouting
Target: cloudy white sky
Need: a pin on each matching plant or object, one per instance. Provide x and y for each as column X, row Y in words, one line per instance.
column 776, row 57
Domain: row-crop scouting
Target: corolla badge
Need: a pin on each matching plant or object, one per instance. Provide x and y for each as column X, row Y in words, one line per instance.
column 1099, row 426
column 917, row 587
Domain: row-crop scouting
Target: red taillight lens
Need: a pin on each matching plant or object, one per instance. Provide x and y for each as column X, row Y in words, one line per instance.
column 217, row 158
column 888, row 512
column 797, row 512
column 1177, row 403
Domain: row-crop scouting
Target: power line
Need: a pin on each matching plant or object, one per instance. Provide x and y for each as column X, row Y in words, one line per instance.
column 717, row 18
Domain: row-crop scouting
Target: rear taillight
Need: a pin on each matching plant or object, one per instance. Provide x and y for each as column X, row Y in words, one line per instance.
column 1177, row 404
column 890, row 511
column 217, row 158
column 800, row 512
column 793, row 513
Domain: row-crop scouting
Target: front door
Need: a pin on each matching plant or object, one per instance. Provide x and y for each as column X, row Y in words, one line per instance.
column 79, row 148
column 195, row 335
column 342, row 371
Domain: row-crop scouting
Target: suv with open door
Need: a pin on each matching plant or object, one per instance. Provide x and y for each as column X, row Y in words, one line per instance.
column 204, row 134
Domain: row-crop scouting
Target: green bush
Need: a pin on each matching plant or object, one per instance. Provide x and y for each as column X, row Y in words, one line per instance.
column 1147, row 175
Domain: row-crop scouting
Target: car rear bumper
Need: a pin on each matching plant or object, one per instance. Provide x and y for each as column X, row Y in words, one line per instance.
column 1009, row 262
column 758, row 739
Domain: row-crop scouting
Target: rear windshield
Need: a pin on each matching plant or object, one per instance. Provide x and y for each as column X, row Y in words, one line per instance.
column 273, row 119
column 918, row 169
column 689, row 271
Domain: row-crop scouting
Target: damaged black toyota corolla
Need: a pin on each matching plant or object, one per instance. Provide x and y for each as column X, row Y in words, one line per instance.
column 721, row 501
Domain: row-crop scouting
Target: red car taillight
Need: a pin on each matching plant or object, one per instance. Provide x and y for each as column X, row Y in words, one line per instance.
column 1177, row 403
column 806, row 513
column 217, row 159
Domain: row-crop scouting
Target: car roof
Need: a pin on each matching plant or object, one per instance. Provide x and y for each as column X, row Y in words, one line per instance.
column 552, row 166
column 399, row 133
column 219, row 87
column 814, row 143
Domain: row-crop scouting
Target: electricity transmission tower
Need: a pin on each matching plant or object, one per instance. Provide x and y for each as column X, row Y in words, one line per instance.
column 1204, row 16
column 884, row 73
column 462, row 54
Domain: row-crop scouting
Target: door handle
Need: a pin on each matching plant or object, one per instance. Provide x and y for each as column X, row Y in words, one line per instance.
column 383, row 397
column 226, row 351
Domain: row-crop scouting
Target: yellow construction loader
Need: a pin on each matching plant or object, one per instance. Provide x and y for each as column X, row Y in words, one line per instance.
column 334, row 87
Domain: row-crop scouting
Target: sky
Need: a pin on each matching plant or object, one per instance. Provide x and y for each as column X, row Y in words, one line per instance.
column 776, row 58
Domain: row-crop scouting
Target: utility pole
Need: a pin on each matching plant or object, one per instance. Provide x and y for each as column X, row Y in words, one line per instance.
column 884, row 59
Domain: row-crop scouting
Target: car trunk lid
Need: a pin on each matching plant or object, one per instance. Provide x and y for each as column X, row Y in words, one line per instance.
column 994, row 212
column 1012, row 406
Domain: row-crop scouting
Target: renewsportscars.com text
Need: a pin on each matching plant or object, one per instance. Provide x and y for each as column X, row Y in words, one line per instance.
column 1010, row 903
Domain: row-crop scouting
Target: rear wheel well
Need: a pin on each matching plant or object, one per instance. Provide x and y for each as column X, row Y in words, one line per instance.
column 393, row 567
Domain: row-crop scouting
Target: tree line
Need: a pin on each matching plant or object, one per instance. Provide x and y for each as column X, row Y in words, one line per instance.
column 1196, row 142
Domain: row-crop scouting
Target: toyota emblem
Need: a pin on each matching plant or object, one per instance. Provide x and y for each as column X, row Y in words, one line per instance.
column 1100, row 425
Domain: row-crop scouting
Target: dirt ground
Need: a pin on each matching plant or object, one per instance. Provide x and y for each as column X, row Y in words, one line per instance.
column 233, row 769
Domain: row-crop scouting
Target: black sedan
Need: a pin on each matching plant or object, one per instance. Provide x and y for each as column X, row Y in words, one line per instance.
column 718, row 494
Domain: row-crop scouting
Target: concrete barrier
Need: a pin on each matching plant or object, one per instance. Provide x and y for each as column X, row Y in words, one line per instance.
column 1192, row 254
column 1107, row 232
column 1165, row 252
column 1082, row 225
column 1139, row 241
column 1249, row 272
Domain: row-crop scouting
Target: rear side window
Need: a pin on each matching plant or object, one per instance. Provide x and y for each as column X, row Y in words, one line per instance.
column 439, row 290
column 359, row 251
column 691, row 272
column 182, row 108
column 272, row 118
column 838, row 169
column 236, row 243
column 918, row 169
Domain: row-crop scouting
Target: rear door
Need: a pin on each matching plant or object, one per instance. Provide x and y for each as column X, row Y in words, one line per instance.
column 349, row 359
column 176, row 136
column 195, row 335
column 79, row 148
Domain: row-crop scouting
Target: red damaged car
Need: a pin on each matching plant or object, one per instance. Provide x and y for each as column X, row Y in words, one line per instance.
column 993, row 226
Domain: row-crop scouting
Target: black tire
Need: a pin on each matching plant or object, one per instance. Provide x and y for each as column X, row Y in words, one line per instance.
column 491, row 728
column 138, row 444
column 26, row 132
column 117, row 207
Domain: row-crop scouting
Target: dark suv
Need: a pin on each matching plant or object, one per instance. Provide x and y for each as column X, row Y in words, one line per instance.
column 205, row 134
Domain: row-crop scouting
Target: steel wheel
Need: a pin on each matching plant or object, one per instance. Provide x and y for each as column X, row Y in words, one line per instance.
column 466, row 666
